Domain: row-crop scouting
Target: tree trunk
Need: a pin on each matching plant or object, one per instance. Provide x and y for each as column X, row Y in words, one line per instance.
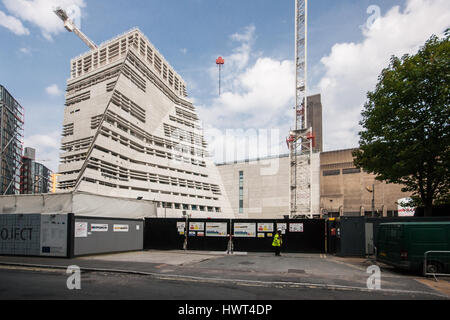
column 428, row 208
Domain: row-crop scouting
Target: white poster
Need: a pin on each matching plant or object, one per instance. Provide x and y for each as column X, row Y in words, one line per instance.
column 53, row 240
column 81, row 229
column 295, row 227
column 218, row 229
column 265, row 227
column 181, row 226
column 196, row 226
column 96, row 227
column 405, row 210
column 120, row 228
column 282, row 227
column 245, row 230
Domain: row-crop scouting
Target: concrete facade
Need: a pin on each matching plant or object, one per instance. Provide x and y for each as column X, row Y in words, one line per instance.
column 338, row 187
column 265, row 192
column 130, row 131
column 314, row 120
column 343, row 187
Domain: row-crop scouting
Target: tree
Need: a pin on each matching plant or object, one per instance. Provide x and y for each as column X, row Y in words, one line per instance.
column 405, row 137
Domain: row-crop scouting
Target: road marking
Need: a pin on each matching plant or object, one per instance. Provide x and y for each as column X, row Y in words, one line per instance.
column 272, row 284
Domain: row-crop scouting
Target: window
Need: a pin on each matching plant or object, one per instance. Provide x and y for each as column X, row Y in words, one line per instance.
column 331, row 173
column 351, row 171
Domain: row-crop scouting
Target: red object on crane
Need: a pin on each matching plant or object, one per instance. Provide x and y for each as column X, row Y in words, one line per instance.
column 312, row 136
column 220, row 62
column 289, row 140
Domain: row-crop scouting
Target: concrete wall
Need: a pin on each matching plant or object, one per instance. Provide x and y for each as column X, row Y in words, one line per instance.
column 343, row 187
column 266, row 187
column 314, row 118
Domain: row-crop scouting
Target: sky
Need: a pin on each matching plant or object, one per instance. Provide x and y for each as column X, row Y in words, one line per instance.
column 349, row 43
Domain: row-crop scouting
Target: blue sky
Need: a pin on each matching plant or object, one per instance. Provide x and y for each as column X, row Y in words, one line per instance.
column 35, row 53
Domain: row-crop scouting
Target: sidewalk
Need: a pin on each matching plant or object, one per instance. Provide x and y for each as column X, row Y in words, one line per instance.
column 262, row 269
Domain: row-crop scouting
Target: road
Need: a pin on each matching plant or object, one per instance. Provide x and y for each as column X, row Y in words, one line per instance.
column 37, row 284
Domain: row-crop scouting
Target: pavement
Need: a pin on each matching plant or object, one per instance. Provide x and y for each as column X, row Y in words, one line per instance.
column 263, row 270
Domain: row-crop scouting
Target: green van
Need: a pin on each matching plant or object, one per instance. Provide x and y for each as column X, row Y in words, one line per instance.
column 403, row 245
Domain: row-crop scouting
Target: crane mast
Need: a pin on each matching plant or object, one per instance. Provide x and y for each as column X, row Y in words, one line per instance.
column 300, row 139
column 71, row 27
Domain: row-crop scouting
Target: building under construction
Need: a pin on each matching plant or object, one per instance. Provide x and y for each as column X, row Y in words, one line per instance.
column 11, row 142
column 130, row 131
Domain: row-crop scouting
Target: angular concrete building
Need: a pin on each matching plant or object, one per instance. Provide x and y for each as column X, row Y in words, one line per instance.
column 130, row 131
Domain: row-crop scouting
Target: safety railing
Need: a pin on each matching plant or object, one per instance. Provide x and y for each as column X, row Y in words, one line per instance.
column 435, row 265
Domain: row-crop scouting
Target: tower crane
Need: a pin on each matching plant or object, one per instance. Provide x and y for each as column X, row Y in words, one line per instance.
column 300, row 139
column 71, row 27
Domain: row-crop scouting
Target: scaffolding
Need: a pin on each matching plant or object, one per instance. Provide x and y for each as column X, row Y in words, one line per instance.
column 11, row 143
column 301, row 138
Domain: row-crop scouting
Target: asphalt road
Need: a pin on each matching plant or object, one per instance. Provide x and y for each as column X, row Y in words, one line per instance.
column 37, row 284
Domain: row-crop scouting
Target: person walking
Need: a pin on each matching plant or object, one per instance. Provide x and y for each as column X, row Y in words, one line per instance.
column 277, row 242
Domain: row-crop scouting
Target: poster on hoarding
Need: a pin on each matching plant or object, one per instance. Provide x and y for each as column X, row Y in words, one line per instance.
column 282, row 227
column 181, row 226
column 295, row 227
column 120, row 228
column 95, row 227
column 196, row 226
column 245, row 230
column 218, row 229
column 265, row 227
column 81, row 229
column 404, row 209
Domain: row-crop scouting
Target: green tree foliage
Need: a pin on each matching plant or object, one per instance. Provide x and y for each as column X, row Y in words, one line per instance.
column 406, row 133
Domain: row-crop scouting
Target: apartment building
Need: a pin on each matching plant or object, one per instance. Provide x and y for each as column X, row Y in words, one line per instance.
column 11, row 141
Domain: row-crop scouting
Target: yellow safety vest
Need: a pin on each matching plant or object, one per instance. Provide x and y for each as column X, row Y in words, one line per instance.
column 277, row 241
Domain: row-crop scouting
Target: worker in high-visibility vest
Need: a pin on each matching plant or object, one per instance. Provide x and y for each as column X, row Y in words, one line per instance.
column 277, row 242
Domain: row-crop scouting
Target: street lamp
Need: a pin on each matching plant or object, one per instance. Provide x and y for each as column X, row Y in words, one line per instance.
column 373, row 198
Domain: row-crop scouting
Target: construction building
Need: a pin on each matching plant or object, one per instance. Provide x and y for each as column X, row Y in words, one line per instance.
column 130, row 131
column 35, row 178
column 11, row 142
column 259, row 189
column 347, row 190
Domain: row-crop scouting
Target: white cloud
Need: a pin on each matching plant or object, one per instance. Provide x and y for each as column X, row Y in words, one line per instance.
column 47, row 148
column 184, row 50
column 40, row 13
column 256, row 97
column 13, row 24
column 25, row 51
column 53, row 90
column 352, row 69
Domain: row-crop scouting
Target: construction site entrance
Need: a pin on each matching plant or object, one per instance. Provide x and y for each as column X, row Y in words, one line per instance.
column 299, row 236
